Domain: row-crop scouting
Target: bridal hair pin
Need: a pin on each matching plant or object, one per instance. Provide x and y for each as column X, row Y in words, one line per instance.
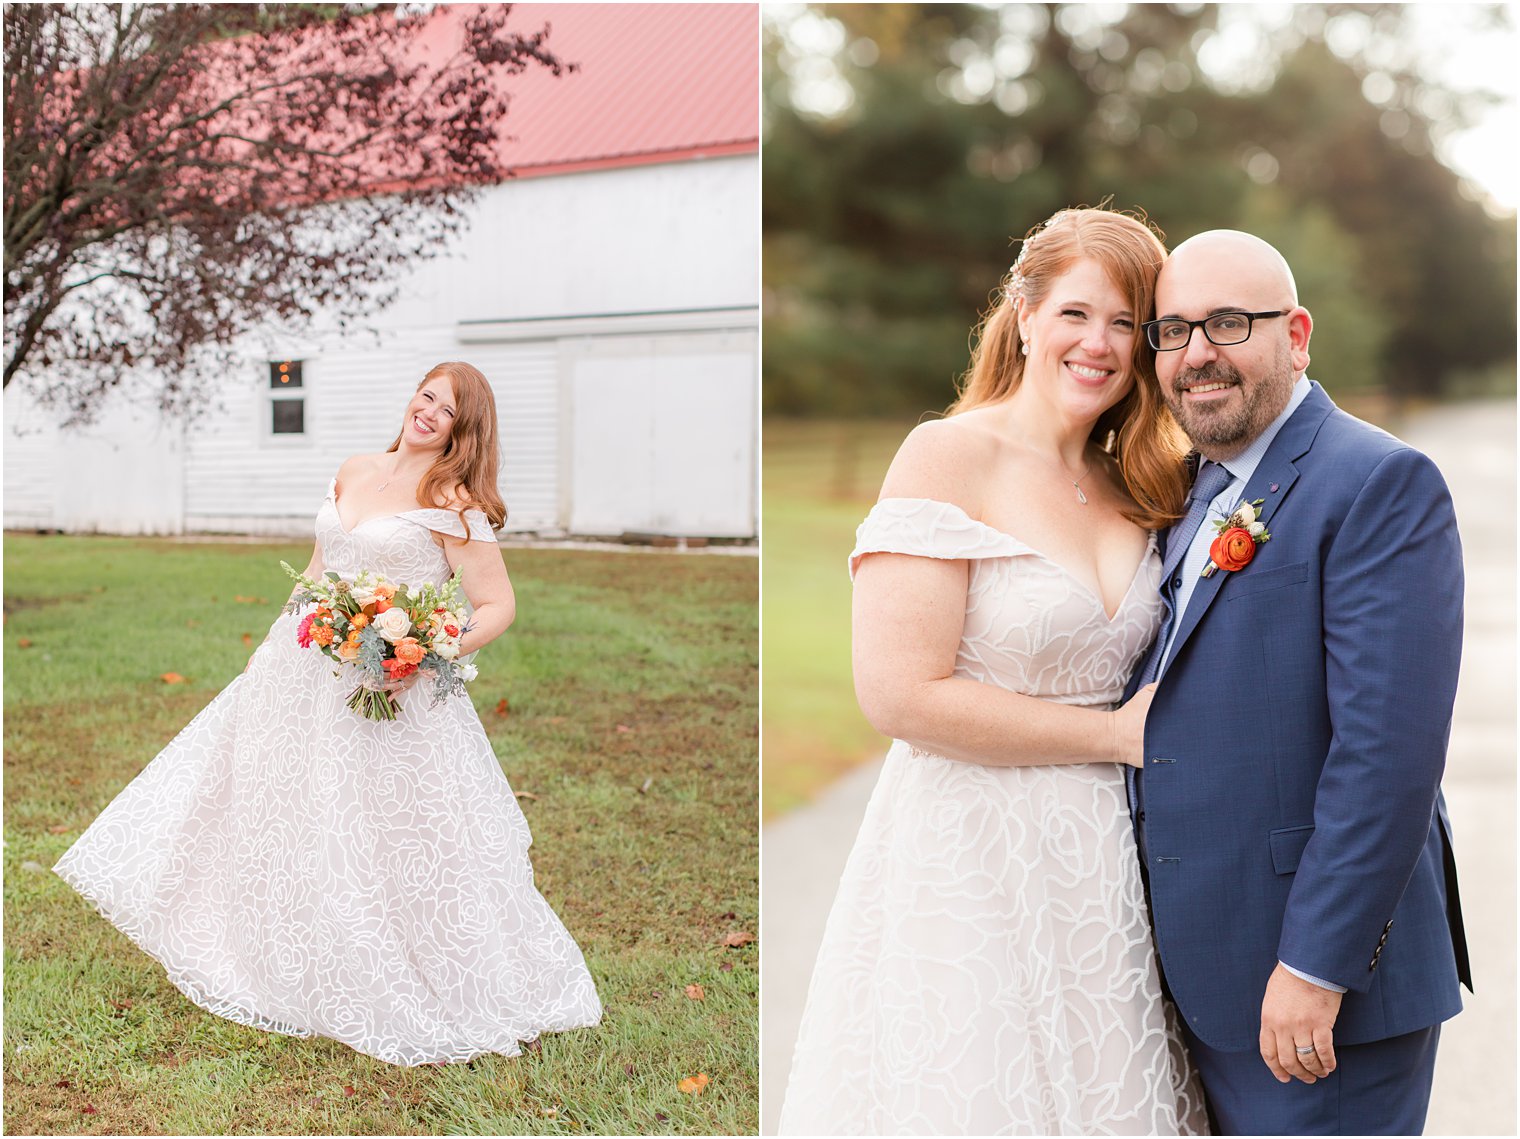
column 1016, row 278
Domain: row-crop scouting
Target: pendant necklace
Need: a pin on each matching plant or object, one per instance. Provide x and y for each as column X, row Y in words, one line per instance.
column 392, row 475
column 1076, row 483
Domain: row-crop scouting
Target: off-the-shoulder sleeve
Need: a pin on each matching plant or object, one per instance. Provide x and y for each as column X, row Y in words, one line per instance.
column 447, row 522
column 927, row 528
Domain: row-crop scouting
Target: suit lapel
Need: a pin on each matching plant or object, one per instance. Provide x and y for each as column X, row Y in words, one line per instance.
column 1274, row 477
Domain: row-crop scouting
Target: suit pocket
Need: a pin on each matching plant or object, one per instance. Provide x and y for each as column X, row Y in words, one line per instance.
column 1288, row 847
column 1247, row 584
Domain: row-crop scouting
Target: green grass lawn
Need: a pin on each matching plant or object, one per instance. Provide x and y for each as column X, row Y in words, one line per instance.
column 630, row 708
column 819, row 480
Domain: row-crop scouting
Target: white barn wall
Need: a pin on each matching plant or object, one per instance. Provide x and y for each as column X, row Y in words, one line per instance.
column 679, row 239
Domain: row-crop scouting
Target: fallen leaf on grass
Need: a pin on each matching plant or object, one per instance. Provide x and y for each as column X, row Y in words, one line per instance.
column 624, row 728
column 121, row 1006
column 662, row 1117
column 64, row 1084
column 629, row 1069
column 247, row 638
column 696, row 992
column 730, row 916
column 348, row 1089
column 88, row 1109
column 172, row 1060
column 61, row 828
column 736, row 939
column 646, row 785
column 503, row 708
column 24, row 643
column 694, row 1085
column 172, row 678
column 533, row 1045
column 526, row 795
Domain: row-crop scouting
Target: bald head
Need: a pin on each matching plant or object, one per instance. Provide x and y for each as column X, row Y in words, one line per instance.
column 1242, row 258
column 1230, row 287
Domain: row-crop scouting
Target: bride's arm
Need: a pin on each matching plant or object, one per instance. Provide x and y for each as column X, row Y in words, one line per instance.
column 909, row 613
column 314, row 568
column 487, row 586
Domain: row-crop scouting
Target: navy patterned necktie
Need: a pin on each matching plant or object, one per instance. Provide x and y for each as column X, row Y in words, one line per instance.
column 1212, row 478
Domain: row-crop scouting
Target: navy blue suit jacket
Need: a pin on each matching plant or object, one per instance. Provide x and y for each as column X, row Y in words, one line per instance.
column 1294, row 749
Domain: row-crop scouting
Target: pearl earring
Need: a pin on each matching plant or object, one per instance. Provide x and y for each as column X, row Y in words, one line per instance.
column 1025, row 348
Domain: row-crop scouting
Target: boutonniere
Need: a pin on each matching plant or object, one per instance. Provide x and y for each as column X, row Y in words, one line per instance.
column 1239, row 535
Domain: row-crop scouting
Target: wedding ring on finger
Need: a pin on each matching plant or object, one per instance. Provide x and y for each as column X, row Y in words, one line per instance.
column 1309, row 1051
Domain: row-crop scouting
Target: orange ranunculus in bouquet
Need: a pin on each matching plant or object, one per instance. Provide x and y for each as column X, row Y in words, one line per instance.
column 380, row 632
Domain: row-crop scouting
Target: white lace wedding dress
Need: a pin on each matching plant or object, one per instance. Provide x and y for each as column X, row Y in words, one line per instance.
column 300, row 869
column 987, row 968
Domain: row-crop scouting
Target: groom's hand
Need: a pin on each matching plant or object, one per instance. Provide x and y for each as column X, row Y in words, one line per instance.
column 1296, row 1014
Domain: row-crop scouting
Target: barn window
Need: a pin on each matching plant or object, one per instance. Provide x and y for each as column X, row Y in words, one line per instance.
column 287, row 398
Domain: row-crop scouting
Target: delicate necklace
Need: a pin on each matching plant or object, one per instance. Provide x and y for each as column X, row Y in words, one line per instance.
column 392, row 475
column 1075, row 482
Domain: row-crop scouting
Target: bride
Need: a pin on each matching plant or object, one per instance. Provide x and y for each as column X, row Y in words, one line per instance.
column 987, row 967
column 298, row 868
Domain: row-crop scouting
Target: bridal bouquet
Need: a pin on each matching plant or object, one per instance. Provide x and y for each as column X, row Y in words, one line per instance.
column 380, row 632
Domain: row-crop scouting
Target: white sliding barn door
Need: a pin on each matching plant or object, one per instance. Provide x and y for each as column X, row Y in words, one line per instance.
column 662, row 434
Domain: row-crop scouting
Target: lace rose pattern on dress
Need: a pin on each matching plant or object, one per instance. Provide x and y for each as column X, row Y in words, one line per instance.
column 987, row 967
column 299, row 869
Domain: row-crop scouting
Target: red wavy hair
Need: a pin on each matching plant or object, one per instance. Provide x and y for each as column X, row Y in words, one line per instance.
column 1146, row 441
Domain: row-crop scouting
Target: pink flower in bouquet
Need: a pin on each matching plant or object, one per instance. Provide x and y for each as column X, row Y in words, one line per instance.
column 303, row 631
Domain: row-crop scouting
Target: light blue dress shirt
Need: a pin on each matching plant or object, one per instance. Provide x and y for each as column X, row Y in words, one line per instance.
column 1241, row 468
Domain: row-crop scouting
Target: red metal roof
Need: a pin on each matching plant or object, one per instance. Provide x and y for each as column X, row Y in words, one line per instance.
column 657, row 83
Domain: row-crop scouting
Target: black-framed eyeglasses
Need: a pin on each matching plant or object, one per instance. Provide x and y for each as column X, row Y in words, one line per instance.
column 1223, row 329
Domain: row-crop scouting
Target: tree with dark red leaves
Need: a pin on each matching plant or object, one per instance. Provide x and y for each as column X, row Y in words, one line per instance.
column 178, row 177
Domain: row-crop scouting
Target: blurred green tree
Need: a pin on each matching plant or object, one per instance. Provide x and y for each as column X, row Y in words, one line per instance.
column 909, row 146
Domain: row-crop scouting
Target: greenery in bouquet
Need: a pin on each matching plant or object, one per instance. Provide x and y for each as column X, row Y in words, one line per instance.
column 382, row 632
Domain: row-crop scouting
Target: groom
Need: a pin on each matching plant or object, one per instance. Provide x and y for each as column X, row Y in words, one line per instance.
column 1289, row 813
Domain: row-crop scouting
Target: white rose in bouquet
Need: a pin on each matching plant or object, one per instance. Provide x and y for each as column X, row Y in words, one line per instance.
column 468, row 672
column 447, row 648
column 393, row 624
column 363, row 591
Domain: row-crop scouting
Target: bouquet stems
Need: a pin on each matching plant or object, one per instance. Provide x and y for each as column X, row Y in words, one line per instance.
column 373, row 704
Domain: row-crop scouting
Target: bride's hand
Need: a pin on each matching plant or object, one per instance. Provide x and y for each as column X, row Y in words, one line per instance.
column 396, row 687
column 1129, row 727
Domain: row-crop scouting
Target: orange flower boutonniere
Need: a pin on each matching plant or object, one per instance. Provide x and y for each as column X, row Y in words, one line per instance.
column 1239, row 535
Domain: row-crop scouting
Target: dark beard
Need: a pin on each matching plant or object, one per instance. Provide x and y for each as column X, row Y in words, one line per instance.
column 1214, row 428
